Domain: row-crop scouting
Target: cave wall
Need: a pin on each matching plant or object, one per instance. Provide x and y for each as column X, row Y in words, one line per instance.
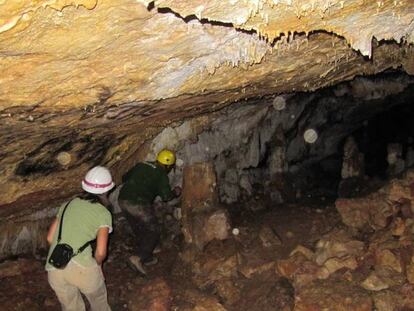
column 87, row 82
column 91, row 82
column 241, row 139
column 255, row 146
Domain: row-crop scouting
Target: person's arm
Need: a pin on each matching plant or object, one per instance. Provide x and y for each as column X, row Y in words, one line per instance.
column 52, row 230
column 101, row 244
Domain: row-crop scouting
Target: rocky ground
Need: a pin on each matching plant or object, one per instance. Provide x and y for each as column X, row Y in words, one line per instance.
column 351, row 254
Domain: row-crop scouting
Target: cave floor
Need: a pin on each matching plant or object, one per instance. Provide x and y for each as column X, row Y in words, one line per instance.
column 24, row 285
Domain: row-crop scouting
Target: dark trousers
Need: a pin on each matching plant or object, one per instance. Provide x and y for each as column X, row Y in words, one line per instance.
column 144, row 225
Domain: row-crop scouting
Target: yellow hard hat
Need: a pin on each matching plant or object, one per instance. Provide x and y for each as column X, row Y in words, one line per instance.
column 166, row 157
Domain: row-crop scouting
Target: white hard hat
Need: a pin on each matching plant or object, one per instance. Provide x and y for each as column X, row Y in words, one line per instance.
column 98, row 180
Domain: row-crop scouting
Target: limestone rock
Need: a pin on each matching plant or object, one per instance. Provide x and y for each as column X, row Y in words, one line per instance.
column 410, row 272
column 374, row 282
column 13, row 268
column 268, row 237
column 304, row 251
column 202, row 220
column 353, row 161
column 338, row 244
column 199, row 187
column 288, row 267
column 358, row 212
column 340, row 296
column 208, row 304
column 387, row 258
column 398, row 190
column 269, row 294
column 153, row 296
column 227, row 290
column 398, row 227
column 300, row 270
column 335, row 264
column 396, row 164
column 207, row 226
column 250, row 267
column 202, row 302
column 388, row 300
column 100, row 95
column 208, row 269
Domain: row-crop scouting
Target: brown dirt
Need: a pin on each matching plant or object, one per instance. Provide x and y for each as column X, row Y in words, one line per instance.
column 294, row 224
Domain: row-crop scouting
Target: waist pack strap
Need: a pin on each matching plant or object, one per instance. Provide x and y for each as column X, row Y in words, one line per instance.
column 82, row 248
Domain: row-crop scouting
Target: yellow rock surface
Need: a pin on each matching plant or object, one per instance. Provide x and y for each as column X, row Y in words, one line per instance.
column 93, row 73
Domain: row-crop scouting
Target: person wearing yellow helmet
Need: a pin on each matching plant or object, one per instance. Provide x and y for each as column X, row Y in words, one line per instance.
column 141, row 185
column 166, row 157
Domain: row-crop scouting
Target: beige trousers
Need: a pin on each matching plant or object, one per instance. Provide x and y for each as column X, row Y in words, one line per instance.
column 69, row 282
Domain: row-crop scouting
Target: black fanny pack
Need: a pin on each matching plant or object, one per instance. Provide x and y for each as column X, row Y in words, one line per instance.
column 63, row 253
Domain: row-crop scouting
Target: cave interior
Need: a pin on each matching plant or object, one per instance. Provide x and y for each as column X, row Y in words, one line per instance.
column 297, row 178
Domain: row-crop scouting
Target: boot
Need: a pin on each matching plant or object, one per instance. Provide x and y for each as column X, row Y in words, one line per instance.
column 134, row 262
column 151, row 261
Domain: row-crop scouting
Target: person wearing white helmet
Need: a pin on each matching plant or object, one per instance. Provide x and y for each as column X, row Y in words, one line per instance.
column 79, row 222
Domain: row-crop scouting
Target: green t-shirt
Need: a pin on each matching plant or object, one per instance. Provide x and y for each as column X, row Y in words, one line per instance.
column 81, row 223
column 144, row 182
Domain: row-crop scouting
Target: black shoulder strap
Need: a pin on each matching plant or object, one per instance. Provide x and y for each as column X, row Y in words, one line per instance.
column 81, row 249
column 61, row 222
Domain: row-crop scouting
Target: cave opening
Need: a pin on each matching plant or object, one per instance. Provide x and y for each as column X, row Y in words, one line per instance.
column 394, row 126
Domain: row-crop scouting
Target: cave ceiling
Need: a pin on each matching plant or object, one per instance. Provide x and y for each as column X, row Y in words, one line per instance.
column 98, row 78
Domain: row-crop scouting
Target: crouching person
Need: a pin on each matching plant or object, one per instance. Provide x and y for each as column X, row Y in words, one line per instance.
column 71, row 266
column 142, row 184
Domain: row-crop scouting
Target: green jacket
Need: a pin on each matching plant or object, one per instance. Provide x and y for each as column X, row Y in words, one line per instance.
column 144, row 182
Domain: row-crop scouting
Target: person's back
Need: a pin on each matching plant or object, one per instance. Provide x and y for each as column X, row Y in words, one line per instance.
column 81, row 221
column 144, row 182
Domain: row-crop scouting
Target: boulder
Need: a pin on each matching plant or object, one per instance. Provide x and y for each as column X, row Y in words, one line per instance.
column 11, row 268
column 203, row 220
column 255, row 266
column 219, row 261
column 335, row 264
column 208, row 304
column 227, row 290
column 207, row 226
column 387, row 258
column 268, row 237
column 388, row 300
column 153, row 296
column 332, row 295
column 300, row 270
column 410, row 271
column 267, row 294
column 304, row 251
column 374, row 282
column 338, row 243
column 373, row 210
column 201, row 302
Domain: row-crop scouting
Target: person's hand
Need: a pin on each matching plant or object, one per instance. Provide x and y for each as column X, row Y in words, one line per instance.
column 177, row 191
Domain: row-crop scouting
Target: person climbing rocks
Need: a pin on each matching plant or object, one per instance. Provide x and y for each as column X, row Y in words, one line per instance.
column 79, row 222
column 141, row 185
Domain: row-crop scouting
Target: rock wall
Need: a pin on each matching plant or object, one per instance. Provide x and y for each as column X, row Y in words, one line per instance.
column 89, row 82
